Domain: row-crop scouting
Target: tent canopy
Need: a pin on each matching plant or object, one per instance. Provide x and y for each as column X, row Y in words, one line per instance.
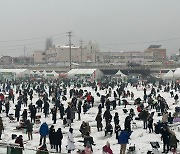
column 119, row 73
column 177, row 73
column 169, row 75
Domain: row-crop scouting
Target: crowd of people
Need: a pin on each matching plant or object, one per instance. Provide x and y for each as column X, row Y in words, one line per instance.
column 64, row 99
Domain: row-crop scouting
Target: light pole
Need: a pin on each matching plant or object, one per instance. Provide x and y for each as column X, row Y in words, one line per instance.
column 70, row 60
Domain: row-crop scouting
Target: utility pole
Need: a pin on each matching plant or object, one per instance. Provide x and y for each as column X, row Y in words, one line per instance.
column 70, row 60
column 81, row 43
column 24, row 51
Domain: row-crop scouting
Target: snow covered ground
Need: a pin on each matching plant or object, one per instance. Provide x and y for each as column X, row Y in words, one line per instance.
column 140, row 137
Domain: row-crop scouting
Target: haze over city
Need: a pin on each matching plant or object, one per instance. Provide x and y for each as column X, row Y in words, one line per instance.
column 115, row 25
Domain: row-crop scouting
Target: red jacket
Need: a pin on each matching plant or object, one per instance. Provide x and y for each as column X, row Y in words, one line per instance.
column 107, row 149
column 89, row 98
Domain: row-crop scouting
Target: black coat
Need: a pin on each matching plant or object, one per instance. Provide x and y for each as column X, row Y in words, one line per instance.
column 17, row 112
column 68, row 112
column 52, row 136
column 58, row 137
column 107, row 115
column 99, row 121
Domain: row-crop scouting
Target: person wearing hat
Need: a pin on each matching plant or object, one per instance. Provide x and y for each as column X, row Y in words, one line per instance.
column 1, row 127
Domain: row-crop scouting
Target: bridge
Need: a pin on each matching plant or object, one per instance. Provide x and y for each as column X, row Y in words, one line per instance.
column 106, row 68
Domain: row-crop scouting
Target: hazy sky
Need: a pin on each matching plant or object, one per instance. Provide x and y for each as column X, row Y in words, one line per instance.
column 114, row 24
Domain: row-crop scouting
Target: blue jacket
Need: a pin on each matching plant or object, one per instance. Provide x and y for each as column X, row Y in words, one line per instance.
column 123, row 137
column 44, row 130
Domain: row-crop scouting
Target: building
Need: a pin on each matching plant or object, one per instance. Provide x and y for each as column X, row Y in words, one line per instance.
column 39, row 57
column 175, row 57
column 124, row 57
column 23, row 60
column 6, row 60
column 159, row 55
column 79, row 54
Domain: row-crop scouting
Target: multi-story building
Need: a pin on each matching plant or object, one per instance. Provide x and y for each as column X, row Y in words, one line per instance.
column 124, row 57
column 159, row 55
column 61, row 54
column 39, row 57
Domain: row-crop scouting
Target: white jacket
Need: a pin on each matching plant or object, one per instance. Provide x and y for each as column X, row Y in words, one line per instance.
column 70, row 141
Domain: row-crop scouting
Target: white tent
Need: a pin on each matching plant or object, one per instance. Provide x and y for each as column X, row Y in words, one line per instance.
column 120, row 75
column 52, row 75
column 44, row 72
column 168, row 76
column 88, row 74
column 177, row 73
column 15, row 72
column 55, row 74
column 37, row 74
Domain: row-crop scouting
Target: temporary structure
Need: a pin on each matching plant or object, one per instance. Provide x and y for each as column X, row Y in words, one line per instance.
column 44, row 73
column 87, row 74
column 177, row 73
column 52, row 75
column 14, row 73
column 120, row 76
column 168, row 76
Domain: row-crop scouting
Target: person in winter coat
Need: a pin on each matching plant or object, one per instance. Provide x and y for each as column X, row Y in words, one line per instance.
column 7, row 107
column 42, row 150
column 150, row 124
column 46, row 108
column 19, row 140
column 99, row 122
column 127, row 124
column 116, row 119
column 54, row 114
column 24, row 115
column 170, row 118
column 108, row 129
column 70, row 141
column 73, row 111
column 99, row 108
column 17, row 112
column 52, row 136
column 58, row 140
column 176, row 97
column 39, row 104
column 44, row 131
column 33, row 113
column 68, row 112
column 1, row 127
column 165, row 137
column 107, row 116
column 61, row 109
column 123, row 140
column 88, row 140
column 83, row 128
column 144, row 116
column 79, row 109
column 87, row 149
column 107, row 149
column 173, row 141
column 29, row 130
column 165, row 117
column 117, row 130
